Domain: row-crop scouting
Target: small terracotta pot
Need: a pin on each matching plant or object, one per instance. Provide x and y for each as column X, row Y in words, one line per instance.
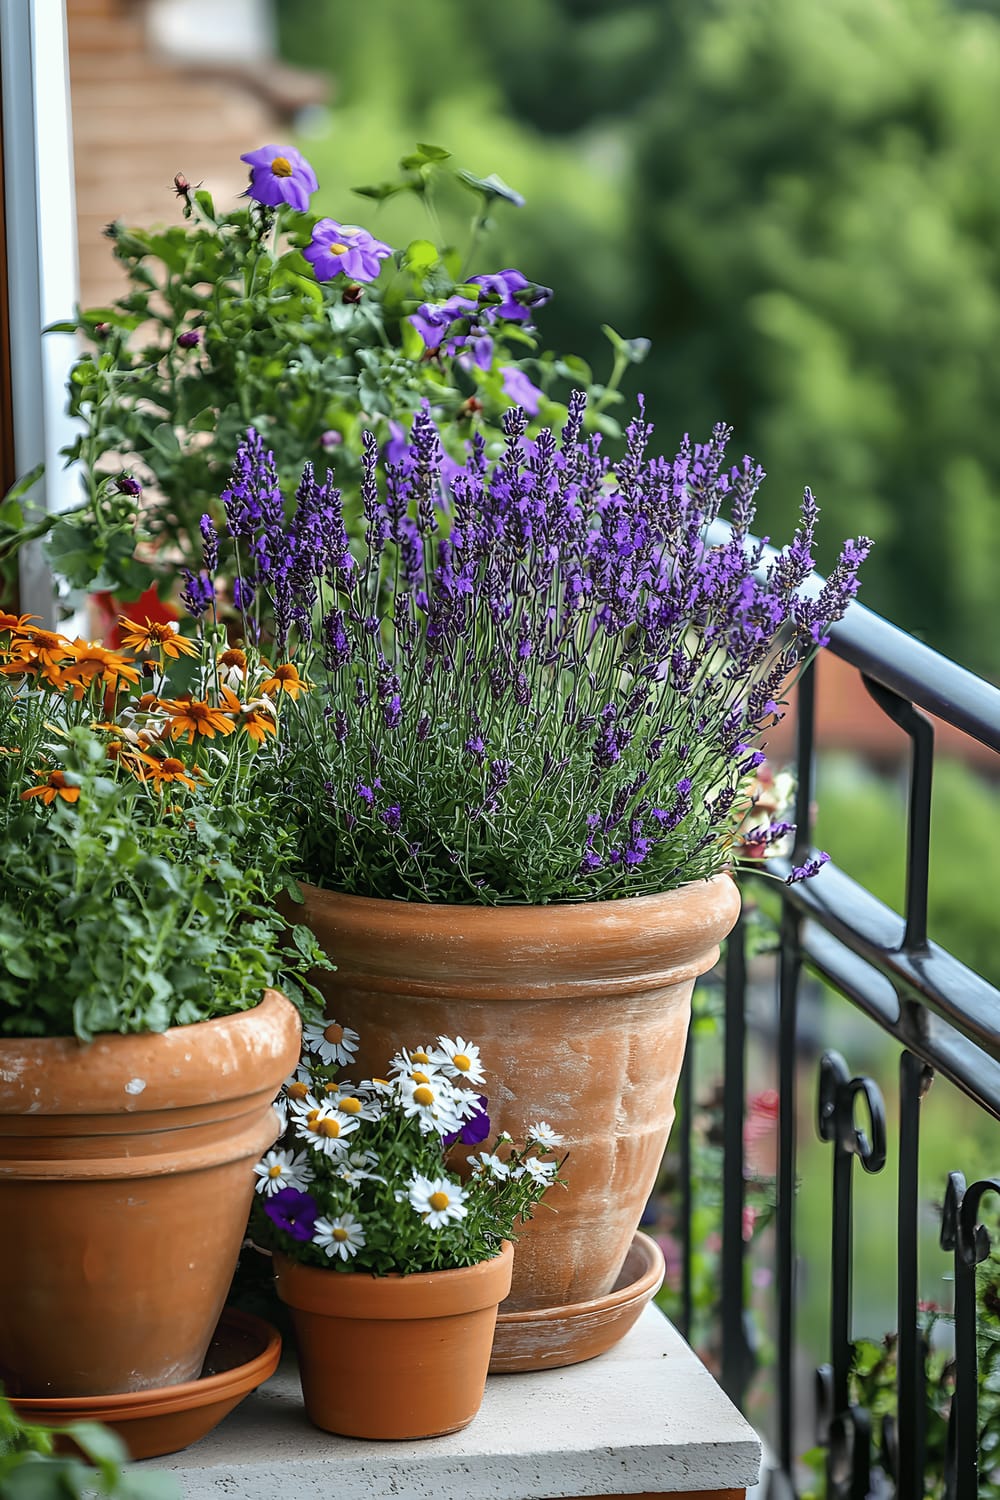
column 126, row 1176
column 394, row 1356
column 581, row 1013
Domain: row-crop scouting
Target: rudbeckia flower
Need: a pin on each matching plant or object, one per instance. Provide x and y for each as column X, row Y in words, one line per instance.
column 55, row 785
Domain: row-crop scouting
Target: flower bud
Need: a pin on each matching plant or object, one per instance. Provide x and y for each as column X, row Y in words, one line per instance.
column 181, row 185
column 126, row 485
column 189, row 339
column 330, row 439
column 353, row 293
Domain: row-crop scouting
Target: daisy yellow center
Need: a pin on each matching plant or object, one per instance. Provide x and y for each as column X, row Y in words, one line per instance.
column 281, row 166
column 420, row 1057
column 462, row 1062
column 275, row 1171
column 438, row 1201
column 350, row 1105
column 336, row 248
column 419, row 1077
column 423, row 1095
column 312, row 1116
column 328, row 1127
column 334, row 1033
column 297, row 1090
column 340, row 1234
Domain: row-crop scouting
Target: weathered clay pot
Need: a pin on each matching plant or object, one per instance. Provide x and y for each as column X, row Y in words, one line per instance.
column 393, row 1356
column 126, row 1175
column 581, row 1014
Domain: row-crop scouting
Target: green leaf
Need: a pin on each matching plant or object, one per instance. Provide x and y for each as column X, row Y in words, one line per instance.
column 100, row 1444
column 634, row 350
column 491, row 187
column 380, row 191
column 24, row 484
column 432, row 153
column 420, row 255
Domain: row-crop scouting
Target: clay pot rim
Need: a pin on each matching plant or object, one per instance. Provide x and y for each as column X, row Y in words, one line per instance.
column 444, row 1293
column 657, row 900
column 51, row 1076
column 643, row 1287
column 207, row 1390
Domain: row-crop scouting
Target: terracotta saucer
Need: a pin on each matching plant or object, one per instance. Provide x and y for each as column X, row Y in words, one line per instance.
column 243, row 1353
column 549, row 1337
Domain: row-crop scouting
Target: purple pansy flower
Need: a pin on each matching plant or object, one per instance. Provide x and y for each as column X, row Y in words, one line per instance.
column 280, row 174
column 520, row 389
column 293, row 1212
column 344, row 248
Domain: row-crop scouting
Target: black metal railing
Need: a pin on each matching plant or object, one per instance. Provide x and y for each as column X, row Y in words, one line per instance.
column 946, row 1019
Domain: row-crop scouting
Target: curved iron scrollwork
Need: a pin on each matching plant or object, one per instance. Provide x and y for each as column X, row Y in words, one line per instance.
column 967, row 1237
column 845, row 1429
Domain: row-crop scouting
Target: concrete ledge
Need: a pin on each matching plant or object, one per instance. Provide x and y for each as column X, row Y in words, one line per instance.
column 645, row 1418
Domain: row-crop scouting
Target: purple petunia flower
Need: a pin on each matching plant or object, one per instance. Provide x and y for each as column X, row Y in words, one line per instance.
column 432, row 320
column 293, row 1212
column 520, row 389
column 280, row 174
column 475, row 1129
column 346, row 249
column 507, row 285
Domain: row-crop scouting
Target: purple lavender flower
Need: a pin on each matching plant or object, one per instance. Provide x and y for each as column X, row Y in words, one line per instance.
column 280, row 174
column 807, row 870
column 344, row 249
column 209, row 544
column 292, row 1212
column 198, row 593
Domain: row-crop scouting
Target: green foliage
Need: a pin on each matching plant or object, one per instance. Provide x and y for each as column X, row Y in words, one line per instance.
column 30, row 1469
column 112, row 920
column 224, row 326
column 873, row 1387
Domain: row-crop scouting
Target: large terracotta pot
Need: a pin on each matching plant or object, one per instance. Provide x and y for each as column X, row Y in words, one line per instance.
column 581, row 1013
column 126, row 1175
column 393, row 1356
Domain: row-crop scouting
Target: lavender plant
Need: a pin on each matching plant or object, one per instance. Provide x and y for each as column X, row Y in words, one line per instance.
column 537, row 680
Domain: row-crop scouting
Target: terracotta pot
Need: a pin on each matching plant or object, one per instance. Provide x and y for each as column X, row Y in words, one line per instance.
column 581, row 1013
column 126, row 1175
column 394, row 1356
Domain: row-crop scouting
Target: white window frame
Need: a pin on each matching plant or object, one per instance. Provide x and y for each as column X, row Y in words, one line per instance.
column 43, row 279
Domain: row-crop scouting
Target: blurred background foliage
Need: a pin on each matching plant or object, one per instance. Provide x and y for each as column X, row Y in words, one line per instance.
column 799, row 204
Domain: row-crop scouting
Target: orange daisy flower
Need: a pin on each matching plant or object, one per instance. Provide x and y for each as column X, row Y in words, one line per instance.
column 14, row 622
column 194, row 717
column 256, row 718
column 285, row 679
column 93, row 663
column 162, row 772
column 234, row 660
column 46, row 647
column 155, row 635
column 54, row 785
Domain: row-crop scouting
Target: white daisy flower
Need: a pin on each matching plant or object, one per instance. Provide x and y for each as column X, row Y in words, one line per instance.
column 332, row 1043
column 459, row 1059
column 282, row 1169
column 325, row 1129
column 382, row 1088
column 342, row 1236
column 301, row 1106
column 543, row 1135
column 437, row 1200
column 355, row 1166
column 488, row 1161
column 540, row 1171
column 415, row 1062
column 351, row 1101
column 431, row 1103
